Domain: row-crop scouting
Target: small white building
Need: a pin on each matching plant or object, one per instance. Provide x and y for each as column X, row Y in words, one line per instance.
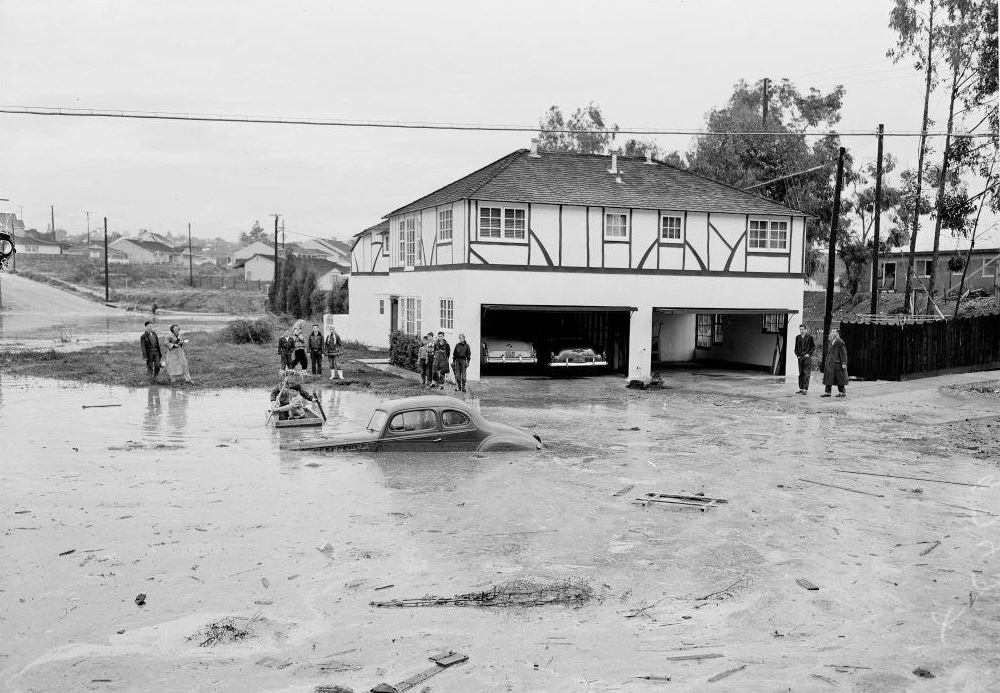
column 33, row 244
column 653, row 263
column 261, row 268
column 143, row 252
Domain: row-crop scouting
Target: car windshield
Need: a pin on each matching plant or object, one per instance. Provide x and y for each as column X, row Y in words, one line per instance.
column 377, row 422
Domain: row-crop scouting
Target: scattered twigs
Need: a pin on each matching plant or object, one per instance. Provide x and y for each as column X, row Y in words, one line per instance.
column 843, row 488
column 912, row 478
column 624, row 490
column 930, row 548
column 98, row 406
column 662, row 679
column 962, row 507
column 231, row 629
column 693, row 657
column 642, row 610
column 730, row 672
column 516, row 593
column 743, row 583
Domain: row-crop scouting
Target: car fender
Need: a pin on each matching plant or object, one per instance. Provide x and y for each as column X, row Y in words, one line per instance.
column 503, row 442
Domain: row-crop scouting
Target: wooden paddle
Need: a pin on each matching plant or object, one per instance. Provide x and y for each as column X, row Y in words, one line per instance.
column 320, row 405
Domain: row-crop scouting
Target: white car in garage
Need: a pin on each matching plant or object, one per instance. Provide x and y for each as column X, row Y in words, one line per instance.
column 507, row 350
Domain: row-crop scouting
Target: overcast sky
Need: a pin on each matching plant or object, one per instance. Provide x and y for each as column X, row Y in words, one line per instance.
column 655, row 64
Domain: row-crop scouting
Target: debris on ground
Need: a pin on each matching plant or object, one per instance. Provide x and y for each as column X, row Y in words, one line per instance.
column 696, row 501
column 654, row 678
column 911, row 478
column 730, row 672
column 693, row 657
column 922, row 673
column 332, row 689
column 745, row 582
column 930, row 548
column 442, row 661
column 624, row 490
column 66, row 553
column 805, row 584
column 514, row 593
column 140, row 599
column 226, row 630
column 843, row 488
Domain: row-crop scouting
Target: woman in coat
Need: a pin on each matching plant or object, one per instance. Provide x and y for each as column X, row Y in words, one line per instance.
column 316, row 350
column 835, row 368
column 299, row 337
column 177, row 363
column 333, row 351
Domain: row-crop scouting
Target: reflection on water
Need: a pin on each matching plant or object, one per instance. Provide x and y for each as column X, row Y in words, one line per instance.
column 72, row 332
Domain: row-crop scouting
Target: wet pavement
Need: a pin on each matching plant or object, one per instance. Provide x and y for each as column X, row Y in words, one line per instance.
column 188, row 498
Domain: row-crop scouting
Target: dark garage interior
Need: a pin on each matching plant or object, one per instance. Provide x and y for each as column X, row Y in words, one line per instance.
column 607, row 327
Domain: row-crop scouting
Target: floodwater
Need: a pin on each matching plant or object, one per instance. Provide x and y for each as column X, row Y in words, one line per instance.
column 188, row 498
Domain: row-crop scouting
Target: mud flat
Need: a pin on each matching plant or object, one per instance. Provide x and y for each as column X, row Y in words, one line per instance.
column 186, row 498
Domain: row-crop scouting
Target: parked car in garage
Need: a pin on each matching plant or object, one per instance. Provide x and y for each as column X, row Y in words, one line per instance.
column 573, row 353
column 427, row 424
column 507, row 350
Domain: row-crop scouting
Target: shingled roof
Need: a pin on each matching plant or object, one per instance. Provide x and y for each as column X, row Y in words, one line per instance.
column 583, row 179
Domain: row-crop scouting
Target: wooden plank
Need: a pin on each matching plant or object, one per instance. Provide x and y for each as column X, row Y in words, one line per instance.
column 930, row 548
column 730, row 672
column 704, row 499
column 843, row 488
column 693, row 657
column 805, row 584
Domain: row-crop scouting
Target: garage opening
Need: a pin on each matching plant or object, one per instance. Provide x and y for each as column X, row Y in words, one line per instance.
column 755, row 339
column 545, row 328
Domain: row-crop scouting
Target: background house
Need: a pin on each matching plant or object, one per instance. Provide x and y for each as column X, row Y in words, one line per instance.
column 143, row 252
column 651, row 262
column 33, row 243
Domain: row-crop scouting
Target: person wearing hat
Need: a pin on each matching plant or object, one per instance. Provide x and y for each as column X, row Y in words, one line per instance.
column 177, row 363
column 835, row 367
column 460, row 362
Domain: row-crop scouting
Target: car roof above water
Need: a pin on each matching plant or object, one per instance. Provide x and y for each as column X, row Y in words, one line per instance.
column 426, row 401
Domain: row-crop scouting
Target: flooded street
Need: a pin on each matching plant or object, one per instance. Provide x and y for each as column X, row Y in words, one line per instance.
column 189, row 499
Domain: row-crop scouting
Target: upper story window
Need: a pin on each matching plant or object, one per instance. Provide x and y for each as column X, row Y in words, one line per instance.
column 444, row 224
column 768, row 234
column 385, row 243
column 502, row 223
column 616, row 226
column 406, row 241
column 671, row 228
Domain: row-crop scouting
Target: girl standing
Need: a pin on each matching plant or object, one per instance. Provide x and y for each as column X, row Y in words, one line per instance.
column 299, row 337
column 333, row 351
column 177, row 363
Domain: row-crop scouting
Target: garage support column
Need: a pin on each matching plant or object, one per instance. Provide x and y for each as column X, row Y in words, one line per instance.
column 791, row 360
column 640, row 342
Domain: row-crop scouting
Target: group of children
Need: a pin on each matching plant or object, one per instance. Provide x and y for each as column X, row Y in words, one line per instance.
column 292, row 348
column 432, row 361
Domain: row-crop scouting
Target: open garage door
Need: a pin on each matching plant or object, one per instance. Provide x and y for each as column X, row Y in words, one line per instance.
column 739, row 337
column 607, row 327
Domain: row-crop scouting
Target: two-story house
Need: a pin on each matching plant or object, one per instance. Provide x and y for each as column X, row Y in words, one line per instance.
column 653, row 262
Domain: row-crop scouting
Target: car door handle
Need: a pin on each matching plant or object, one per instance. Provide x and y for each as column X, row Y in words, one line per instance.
column 437, row 440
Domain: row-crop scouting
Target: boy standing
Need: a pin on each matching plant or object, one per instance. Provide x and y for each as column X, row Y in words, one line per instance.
column 150, row 344
column 286, row 345
column 423, row 356
column 460, row 362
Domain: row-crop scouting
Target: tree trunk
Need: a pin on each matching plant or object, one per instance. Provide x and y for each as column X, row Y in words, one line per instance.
column 907, row 296
column 945, row 160
column 972, row 243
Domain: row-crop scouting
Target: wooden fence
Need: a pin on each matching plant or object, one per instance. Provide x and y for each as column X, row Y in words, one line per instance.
column 900, row 351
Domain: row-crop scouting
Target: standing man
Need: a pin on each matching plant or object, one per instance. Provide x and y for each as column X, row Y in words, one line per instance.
column 804, row 348
column 286, row 345
column 315, row 342
column 150, row 344
column 442, row 350
column 835, row 368
column 460, row 362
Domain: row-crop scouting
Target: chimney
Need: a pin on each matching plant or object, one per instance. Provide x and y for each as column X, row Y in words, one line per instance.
column 534, row 149
column 649, row 156
column 614, row 162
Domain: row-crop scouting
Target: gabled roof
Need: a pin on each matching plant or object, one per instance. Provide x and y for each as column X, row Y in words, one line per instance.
column 317, row 264
column 10, row 223
column 583, row 179
column 151, row 246
column 35, row 239
column 381, row 227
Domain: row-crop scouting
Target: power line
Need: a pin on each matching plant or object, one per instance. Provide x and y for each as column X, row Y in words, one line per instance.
column 403, row 125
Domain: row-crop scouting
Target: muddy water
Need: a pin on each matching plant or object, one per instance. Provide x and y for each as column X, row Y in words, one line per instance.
column 69, row 331
column 189, row 499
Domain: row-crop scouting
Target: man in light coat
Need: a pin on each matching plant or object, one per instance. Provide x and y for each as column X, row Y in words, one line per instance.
column 835, row 368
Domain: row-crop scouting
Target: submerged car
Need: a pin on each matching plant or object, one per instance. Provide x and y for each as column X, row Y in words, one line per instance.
column 574, row 352
column 433, row 423
column 505, row 350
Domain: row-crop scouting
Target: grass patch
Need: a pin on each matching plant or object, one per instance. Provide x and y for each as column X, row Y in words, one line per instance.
column 214, row 362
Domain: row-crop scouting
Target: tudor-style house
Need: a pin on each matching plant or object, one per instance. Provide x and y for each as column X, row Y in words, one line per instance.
column 656, row 264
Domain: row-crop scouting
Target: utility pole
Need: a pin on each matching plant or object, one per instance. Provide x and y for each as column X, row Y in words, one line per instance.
column 107, row 288
column 282, row 234
column 764, row 108
column 88, row 228
column 878, row 220
column 274, row 279
column 190, row 257
column 53, row 208
column 831, row 269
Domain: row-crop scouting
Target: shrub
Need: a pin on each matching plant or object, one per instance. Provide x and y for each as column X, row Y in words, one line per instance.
column 247, row 331
column 403, row 349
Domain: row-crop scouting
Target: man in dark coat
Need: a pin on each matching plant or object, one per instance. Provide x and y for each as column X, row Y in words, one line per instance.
column 804, row 348
column 286, row 346
column 460, row 362
column 835, row 368
column 150, row 344
column 442, row 350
